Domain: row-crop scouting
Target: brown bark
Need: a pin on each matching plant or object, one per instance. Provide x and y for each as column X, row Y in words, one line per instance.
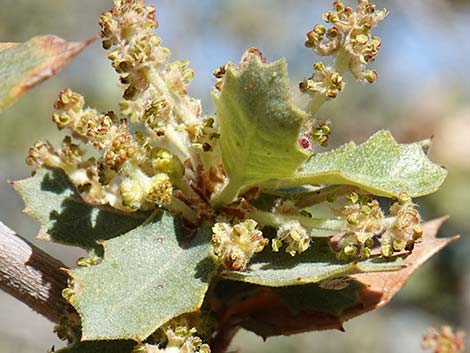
column 31, row 275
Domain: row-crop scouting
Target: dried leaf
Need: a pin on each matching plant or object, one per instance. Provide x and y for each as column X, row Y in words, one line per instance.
column 388, row 284
column 24, row 65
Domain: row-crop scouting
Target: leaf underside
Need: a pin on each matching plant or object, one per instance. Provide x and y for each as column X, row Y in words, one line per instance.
column 380, row 166
column 259, row 125
column 24, row 65
column 147, row 277
column 314, row 265
column 65, row 218
column 269, row 311
column 99, row 347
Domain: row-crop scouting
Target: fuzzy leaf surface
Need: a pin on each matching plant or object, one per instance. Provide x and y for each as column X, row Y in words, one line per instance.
column 64, row 217
column 380, row 166
column 314, row 265
column 24, row 65
column 147, row 277
column 258, row 123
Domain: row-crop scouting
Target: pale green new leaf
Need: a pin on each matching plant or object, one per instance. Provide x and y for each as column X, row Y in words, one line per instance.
column 314, row 265
column 65, row 218
column 259, row 125
column 24, row 65
column 380, row 166
column 147, row 277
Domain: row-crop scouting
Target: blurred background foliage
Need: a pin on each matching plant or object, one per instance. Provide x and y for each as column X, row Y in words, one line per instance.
column 423, row 91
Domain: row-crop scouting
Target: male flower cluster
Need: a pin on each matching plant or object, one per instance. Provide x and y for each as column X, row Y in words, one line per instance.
column 350, row 41
column 234, row 246
column 444, row 340
column 364, row 217
column 179, row 339
column 368, row 227
column 406, row 227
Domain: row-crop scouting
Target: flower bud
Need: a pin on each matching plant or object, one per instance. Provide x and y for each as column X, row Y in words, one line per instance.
column 164, row 162
column 131, row 193
column 370, row 76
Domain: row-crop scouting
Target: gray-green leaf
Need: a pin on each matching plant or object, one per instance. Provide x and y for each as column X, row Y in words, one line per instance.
column 380, row 166
column 259, row 125
column 147, row 277
column 314, row 265
column 65, row 217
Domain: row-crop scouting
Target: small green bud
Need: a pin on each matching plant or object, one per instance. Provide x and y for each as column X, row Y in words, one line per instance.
column 131, row 193
column 370, row 76
column 68, row 294
column 204, row 348
column 365, row 253
column 362, row 39
column 399, row 245
column 86, row 262
column 332, row 33
column 319, row 66
column 386, row 250
column 319, row 30
column 338, row 6
column 164, row 162
column 350, row 250
column 417, row 232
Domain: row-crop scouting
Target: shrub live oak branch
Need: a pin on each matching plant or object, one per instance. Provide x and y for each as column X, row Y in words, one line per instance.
column 196, row 225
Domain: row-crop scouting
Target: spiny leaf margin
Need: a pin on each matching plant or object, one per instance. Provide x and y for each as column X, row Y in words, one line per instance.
column 259, row 125
column 147, row 277
column 380, row 166
column 65, row 218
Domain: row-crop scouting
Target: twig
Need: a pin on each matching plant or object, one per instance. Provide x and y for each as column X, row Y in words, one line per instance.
column 31, row 275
